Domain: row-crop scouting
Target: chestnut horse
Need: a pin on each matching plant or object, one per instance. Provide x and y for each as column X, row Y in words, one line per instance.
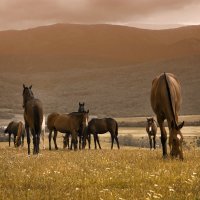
column 68, row 124
column 18, row 130
column 165, row 102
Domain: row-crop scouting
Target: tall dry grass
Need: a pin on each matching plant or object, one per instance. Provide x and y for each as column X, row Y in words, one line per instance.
column 98, row 174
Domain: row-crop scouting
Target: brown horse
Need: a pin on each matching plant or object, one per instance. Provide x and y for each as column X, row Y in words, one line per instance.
column 151, row 129
column 33, row 117
column 68, row 124
column 101, row 126
column 18, row 130
column 165, row 102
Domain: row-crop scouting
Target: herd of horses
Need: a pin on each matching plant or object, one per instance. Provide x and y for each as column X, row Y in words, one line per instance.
column 165, row 102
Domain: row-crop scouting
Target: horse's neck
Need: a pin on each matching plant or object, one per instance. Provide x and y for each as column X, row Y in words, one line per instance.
column 26, row 99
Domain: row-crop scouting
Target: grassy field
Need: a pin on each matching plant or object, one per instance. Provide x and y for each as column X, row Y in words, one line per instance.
column 128, row 173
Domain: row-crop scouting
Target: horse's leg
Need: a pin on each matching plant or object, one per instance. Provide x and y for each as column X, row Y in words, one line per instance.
column 22, row 139
column 112, row 140
column 54, row 139
column 163, row 136
column 116, row 139
column 9, row 139
column 50, row 134
column 97, row 138
column 43, row 140
column 15, row 140
column 89, row 140
column 154, row 142
column 34, row 142
column 79, row 142
column 74, row 139
column 38, row 142
column 28, row 137
column 150, row 141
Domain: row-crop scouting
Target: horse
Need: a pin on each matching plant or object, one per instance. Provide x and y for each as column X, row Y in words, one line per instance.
column 16, row 128
column 68, row 124
column 151, row 128
column 81, row 109
column 165, row 102
column 33, row 117
column 100, row 126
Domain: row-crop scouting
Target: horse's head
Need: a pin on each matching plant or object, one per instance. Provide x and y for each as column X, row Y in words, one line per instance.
column 81, row 107
column 85, row 118
column 19, row 134
column 27, row 94
column 18, row 141
column 84, row 128
column 150, row 121
column 176, row 140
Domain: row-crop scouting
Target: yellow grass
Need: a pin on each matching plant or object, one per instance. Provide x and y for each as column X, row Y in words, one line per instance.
column 98, row 174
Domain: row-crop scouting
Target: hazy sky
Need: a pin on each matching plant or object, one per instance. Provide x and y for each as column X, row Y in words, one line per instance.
column 20, row 14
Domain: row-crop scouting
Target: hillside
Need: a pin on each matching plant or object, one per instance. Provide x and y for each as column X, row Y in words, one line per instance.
column 108, row 67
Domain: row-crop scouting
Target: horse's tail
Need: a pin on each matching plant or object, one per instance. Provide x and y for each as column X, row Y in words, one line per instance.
column 37, row 120
column 116, row 129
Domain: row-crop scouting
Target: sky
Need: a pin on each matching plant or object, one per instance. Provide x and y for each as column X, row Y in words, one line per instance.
column 23, row 14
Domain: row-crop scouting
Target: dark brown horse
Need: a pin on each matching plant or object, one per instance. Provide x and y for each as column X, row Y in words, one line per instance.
column 151, row 129
column 68, row 124
column 101, row 126
column 33, row 117
column 165, row 102
column 16, row 128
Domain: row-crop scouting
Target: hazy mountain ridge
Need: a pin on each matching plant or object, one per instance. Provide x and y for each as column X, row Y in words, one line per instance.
column 109, row 67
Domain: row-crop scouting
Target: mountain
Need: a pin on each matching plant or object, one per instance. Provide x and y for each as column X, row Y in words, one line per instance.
column 110, row 67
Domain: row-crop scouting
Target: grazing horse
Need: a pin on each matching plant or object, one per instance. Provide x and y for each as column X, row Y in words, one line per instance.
column 101, row 126
column 165, row 102
column 151, row 129
column 16, row 128
column 33, row 117
column 68, row 124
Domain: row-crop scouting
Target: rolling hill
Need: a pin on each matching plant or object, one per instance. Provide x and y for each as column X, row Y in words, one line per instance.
column 109, row 67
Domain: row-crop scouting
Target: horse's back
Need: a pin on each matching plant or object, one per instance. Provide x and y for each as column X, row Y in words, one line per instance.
column 62, row 123
column 160, row 100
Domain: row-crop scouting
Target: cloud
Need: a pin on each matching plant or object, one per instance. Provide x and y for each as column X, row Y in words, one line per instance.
column 24, row 12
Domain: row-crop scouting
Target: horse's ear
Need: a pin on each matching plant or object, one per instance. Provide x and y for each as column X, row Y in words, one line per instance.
column 24, row 86
column 83, row 103
column 180, row 126
column 79, row 104
column 30, row 87
column 88, row 111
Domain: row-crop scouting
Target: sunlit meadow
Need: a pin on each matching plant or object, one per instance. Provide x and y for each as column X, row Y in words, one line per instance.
column 128, row 173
